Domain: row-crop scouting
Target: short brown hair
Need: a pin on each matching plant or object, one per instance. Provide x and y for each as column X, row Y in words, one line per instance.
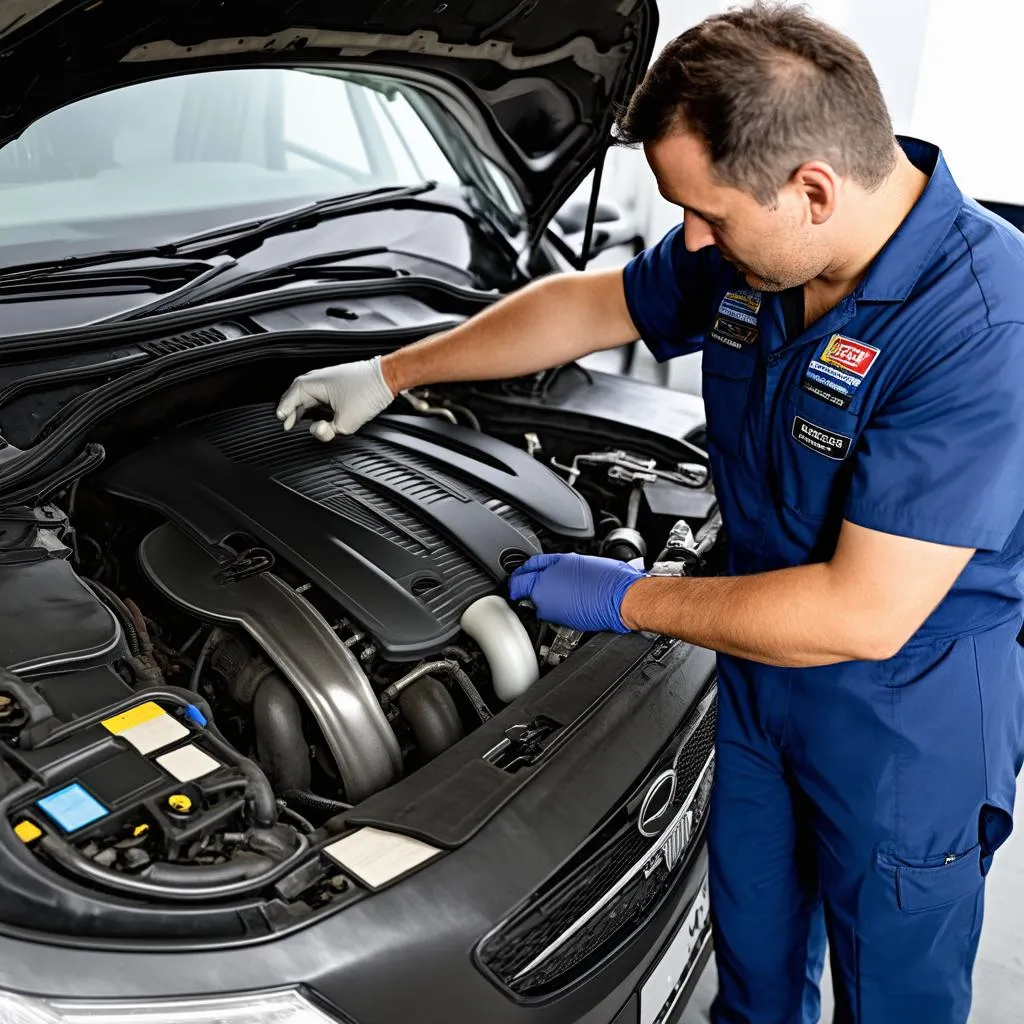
column 768, row 88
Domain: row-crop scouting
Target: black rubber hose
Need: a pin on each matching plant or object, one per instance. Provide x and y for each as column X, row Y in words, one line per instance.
column 29, row 699
column 472, row 694
column 276, row 843
column 121, row 610
column 176, row 881
column 241, row 866
column 279, row 740
column 315, row 802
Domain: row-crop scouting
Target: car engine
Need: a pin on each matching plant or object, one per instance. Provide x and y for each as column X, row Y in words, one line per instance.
column 402, row 536
column 316, row 621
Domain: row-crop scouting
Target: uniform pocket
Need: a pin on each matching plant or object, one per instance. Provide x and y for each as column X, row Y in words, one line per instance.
column 726, row 392
column 923, row 887
column 812, row 456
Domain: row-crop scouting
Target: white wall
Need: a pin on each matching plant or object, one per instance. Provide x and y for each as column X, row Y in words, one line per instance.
column 969, row 94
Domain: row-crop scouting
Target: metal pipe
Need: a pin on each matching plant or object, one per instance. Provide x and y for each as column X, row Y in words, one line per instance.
column 426, row 669
column 506, row 646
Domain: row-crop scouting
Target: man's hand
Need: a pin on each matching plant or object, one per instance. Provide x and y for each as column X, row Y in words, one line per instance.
column 580, row 591
column 355, row 391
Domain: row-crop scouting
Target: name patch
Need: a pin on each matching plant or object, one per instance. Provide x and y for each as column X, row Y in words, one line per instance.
column 736, row 322
column 835, row 375
column 820, row 439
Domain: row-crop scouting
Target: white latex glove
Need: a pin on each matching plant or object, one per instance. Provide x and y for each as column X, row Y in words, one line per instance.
column 355, row 391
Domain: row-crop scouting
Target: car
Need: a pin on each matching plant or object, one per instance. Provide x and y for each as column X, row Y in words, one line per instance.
column 275, row 745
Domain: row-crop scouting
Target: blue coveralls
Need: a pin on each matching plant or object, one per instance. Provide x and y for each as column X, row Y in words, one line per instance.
column 874, row 792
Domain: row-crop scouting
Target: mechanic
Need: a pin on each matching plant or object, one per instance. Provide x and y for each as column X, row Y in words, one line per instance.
column 862, row 328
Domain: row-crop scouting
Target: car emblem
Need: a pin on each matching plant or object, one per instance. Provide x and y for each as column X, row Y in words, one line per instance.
column 657, row 803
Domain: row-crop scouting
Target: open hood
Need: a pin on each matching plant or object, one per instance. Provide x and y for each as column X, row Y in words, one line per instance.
column 540, row 78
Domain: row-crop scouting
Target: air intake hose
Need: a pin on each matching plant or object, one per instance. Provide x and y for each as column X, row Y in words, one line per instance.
column 506, row 646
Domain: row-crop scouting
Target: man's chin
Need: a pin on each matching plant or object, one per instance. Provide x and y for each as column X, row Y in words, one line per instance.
column 761, row 284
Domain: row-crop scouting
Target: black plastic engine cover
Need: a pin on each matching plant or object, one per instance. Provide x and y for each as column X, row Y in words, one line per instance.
column 404, row 525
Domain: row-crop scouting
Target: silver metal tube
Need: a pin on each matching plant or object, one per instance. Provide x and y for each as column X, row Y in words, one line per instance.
column 426, row 669
column 301, row 643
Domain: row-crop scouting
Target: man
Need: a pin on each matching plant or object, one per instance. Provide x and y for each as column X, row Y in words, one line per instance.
column 862, row 327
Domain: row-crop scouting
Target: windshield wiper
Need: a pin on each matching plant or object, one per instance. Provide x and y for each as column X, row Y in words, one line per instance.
column 109, row 260
column 307, row 215
column 213, row 239
column 321, row 265
column 217, row 266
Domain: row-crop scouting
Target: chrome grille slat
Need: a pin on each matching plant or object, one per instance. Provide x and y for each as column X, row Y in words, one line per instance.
column 608, row 892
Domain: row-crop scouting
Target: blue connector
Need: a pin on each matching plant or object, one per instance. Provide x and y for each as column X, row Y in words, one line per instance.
column 193, row 714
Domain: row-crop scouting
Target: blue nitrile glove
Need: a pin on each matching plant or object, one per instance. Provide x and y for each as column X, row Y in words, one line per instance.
column 580, row 591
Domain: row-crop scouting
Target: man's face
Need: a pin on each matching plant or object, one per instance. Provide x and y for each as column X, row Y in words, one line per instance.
column 773, row 247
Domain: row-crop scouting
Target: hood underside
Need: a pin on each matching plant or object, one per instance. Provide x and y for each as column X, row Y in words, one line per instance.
column 543, row 78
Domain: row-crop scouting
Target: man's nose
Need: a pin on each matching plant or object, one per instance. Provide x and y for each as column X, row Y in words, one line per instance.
column 696, row 232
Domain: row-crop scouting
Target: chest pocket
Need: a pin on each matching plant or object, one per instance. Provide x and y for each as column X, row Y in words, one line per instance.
column 727, row 376
column 812, row 455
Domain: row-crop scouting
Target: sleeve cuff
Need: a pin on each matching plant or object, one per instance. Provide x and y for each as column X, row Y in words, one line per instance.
column 904, row 522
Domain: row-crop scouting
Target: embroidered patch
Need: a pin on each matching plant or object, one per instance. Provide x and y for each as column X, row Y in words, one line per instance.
column 736, row 323
column 846, row 354
column 835, row 375
column 821, row 440
column 742, row 305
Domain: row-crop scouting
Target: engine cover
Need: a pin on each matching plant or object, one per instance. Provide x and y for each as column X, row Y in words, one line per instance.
column 405, row 524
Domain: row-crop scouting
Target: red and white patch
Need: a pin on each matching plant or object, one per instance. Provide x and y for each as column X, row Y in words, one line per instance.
column 847, row 354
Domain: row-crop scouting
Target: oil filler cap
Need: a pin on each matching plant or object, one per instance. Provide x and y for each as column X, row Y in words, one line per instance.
column 180, row 803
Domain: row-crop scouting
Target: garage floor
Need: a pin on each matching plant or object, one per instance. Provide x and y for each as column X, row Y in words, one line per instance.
column 998, row 988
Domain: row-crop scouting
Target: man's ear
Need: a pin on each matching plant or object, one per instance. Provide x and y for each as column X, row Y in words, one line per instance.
column 818, row 185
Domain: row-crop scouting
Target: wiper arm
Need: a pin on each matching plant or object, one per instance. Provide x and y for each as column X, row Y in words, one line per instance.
column 31, row 271
column 319, row 265
column 307, row 215
column 171, row 298
column 298, row 216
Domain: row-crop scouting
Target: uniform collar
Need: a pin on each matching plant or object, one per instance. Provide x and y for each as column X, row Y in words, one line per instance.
column 895, row 270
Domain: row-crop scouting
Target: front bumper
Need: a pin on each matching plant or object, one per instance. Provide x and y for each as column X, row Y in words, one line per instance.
column 407, row 952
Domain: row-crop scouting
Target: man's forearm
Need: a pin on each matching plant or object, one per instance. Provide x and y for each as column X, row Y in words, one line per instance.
column 796, row 617
column 550, row 322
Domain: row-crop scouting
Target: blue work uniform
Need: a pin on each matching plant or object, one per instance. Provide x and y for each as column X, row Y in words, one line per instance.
column 870, row 795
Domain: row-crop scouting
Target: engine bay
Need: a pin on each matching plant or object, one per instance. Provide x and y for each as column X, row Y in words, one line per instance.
column 233, row 635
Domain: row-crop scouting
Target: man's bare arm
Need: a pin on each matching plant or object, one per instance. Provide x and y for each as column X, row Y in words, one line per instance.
column 863, row 604
column 549, row 322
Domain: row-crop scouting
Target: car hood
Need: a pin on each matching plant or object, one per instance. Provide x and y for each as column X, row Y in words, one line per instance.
column 541, row 78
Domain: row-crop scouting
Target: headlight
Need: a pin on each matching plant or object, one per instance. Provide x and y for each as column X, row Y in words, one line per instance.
column 280, row 1007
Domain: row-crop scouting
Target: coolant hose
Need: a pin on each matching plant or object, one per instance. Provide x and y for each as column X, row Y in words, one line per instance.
column 183, row 882
column 315, row 802
column 506, row 646
column 31, row 702
column 279, row 740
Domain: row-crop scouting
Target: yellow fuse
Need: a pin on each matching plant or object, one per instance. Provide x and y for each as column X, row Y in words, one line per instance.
column 179, row 802
column 27, row 832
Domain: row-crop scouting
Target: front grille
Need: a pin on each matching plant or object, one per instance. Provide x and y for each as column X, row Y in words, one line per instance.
column 614, row 884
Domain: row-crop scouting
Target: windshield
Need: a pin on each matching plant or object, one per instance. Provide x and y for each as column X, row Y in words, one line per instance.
column 161, row 159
